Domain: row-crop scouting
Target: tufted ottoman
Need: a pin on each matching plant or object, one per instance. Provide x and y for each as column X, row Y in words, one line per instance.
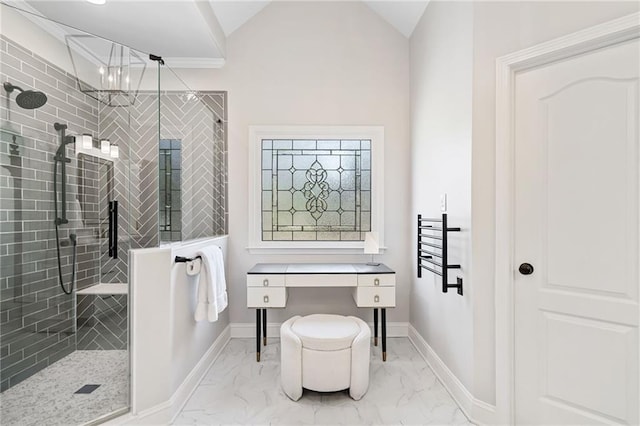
column 325, row 353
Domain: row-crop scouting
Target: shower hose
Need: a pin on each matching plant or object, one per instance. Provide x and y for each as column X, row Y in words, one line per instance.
column 72, row 237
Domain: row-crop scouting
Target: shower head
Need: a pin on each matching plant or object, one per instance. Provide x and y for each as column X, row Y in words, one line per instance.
column 27, row 99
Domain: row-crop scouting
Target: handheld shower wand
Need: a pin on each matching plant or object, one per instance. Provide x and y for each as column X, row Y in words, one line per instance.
column 61, row 156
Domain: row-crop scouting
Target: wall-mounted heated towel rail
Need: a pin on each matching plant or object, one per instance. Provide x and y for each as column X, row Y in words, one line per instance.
column 433, row 250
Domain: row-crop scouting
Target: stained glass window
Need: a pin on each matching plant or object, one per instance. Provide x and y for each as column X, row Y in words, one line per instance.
column 315, row 189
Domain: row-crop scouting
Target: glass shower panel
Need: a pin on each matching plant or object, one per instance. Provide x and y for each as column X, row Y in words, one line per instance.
column 192, row 161
column 72, row 185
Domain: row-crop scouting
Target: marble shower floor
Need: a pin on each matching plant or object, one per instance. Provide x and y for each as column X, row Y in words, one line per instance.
column 48, row 398
column 239, row 391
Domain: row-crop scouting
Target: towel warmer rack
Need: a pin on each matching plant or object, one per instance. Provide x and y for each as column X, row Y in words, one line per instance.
column 435, row 231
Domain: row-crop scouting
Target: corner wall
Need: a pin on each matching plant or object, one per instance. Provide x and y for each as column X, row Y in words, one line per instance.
column 441, row 87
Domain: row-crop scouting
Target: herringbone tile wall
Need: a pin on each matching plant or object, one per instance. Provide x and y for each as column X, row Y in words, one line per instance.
column 115, row 185
column 200, row 123
column 102, row 322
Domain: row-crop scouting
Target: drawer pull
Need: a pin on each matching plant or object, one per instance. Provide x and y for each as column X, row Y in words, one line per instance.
column 265, row 282
column 266, row 299
column 376, row 281
column 376, row 298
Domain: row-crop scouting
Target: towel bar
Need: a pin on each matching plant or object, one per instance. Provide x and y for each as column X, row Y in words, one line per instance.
column 181, row 259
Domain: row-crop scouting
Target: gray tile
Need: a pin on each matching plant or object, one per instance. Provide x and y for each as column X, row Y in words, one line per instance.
column 41, row 345
column 12, row 369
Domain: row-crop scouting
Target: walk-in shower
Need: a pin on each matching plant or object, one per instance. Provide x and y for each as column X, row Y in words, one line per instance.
column 81, row 179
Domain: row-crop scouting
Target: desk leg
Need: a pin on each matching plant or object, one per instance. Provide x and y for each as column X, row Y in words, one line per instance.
column 375, row 326
column 258, row 332
column 384, row 334
column 264, row 326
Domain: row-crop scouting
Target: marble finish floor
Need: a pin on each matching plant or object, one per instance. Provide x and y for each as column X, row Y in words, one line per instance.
column 239, row 391
column 48, row 398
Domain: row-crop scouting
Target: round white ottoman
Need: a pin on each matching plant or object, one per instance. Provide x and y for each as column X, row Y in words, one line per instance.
column 325, row 353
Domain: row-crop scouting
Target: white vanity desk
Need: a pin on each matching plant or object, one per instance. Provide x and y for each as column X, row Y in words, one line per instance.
column 373, row 287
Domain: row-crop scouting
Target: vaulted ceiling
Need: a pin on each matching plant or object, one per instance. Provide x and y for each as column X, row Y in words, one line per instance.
column 190, row 32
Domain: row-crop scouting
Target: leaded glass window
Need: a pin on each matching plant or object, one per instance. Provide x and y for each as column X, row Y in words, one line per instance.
column 170, row 219
column 315, row 189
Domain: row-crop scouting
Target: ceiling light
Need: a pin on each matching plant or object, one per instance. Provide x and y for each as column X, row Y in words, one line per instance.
column 97, row 1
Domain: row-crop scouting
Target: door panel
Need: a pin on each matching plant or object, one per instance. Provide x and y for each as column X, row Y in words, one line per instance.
column 576, row 222
column 582, row 363
column 587, row 143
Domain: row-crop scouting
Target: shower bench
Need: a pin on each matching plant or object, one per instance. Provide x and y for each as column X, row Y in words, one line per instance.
column 105, row 289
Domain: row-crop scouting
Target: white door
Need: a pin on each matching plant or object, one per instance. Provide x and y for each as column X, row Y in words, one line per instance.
column 577, row 225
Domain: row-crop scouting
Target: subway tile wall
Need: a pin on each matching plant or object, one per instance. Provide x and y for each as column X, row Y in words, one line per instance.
column 37, row 320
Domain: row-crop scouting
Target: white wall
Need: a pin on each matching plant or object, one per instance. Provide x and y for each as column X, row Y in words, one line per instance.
column 451, row 41
column 501, row 28
column 170, row 352
column 33, row 37
column 441, row 78
column 316, row 63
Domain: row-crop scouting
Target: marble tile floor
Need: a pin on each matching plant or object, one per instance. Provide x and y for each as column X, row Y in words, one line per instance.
column 239, row 391
column 48, row 398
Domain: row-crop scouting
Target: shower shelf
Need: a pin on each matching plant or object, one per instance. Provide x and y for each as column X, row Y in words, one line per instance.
column 105, row 288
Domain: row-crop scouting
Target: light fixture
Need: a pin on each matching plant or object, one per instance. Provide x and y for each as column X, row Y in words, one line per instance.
column 118, row 73
column 97, row 1
column 115, row 151
column 371, row 246
column 87, row 141
column 105, row 146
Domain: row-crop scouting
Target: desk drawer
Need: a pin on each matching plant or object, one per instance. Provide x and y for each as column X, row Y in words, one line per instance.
column 377, row 280
column 254, row 280
column 322, row 280
column 375, row 297
column 262, row 297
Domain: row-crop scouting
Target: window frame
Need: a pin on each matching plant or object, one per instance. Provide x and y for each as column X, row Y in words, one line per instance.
column 257, row 133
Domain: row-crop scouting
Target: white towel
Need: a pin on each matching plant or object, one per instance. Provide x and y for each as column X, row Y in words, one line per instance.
column 212, row 292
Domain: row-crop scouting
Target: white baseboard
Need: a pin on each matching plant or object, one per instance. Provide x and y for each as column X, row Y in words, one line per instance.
column 243, row 330
column 191, row 382
column 479, row 412
column 166, row 412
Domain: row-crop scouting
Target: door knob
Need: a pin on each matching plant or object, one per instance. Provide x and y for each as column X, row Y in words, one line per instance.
column 526, row 269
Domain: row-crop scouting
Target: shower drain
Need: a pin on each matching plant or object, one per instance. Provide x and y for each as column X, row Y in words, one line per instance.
column 87, row 389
